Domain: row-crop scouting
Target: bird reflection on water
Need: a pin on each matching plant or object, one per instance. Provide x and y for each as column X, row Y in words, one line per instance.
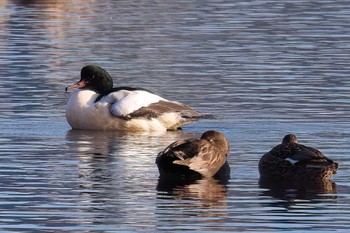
column 208, row 189
column 204, row 200
column 121, row 152
column 114, row 156
column 310, row 191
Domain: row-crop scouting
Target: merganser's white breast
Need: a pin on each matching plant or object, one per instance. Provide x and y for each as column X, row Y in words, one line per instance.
column 81, row 112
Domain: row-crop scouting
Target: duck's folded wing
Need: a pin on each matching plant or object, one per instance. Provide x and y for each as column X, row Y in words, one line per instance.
column 163, row 106
column 207, row 162
column 305, row 154
column 129, row 104
column 182, row 149
column 124, row 102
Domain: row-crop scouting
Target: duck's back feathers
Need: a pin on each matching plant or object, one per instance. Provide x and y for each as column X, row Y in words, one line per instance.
column 182, row 149
column 163, row 106
column 116, row 89
column 304, row 154
column 123, row 103
column 130, row 104
column 178, row 151
column 293, row 161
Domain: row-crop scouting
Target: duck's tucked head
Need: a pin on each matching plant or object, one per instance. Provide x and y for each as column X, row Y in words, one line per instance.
column 217, row 139
column 290, row 139
column 94, row 78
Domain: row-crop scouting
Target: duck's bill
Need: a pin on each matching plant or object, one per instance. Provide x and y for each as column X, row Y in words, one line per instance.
column 79, row 84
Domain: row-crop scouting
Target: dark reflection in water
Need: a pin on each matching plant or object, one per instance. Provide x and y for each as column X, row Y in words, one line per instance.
column 326, row 190
column 40, row 3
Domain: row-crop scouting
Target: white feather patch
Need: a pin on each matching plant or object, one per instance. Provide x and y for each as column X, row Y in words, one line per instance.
column 114, row 96
column 292, row 161
column 125, row 102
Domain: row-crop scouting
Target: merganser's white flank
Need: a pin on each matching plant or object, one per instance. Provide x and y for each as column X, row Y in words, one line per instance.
column 96, row 105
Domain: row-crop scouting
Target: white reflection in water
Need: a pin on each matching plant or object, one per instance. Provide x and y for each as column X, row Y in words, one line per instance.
column 117, row 160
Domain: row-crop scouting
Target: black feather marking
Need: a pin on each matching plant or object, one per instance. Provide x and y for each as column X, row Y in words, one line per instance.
column 115, row 89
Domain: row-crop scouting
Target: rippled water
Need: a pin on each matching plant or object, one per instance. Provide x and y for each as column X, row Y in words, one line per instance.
column 269, row 67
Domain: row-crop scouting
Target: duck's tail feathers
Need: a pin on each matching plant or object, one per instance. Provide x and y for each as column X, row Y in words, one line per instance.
column 198, row 115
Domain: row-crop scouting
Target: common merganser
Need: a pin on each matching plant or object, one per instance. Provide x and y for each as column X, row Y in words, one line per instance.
column 96, row 105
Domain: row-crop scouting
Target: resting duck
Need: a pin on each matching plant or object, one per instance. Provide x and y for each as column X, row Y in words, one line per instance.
column 291, row 161
column 204, row 157
column 97, row 105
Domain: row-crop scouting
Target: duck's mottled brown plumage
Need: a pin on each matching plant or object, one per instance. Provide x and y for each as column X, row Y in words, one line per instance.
column 204, row 157
column 291, row 161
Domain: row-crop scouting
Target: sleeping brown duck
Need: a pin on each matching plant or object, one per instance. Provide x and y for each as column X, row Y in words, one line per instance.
column 204, row 157
column 291, row 161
